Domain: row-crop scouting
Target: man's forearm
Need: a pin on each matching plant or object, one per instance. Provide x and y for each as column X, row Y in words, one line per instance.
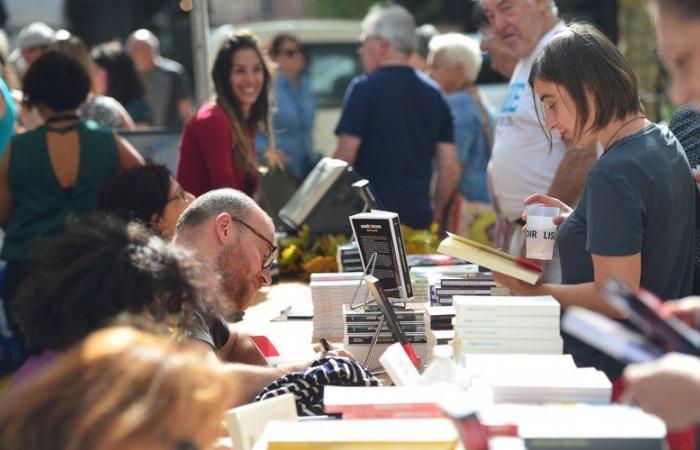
column 570, row 178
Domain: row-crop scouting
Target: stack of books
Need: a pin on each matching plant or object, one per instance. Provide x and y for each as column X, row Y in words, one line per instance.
column 329, row 292
column 532, row 378
column 506, row 325
column 348, row 258
column 581, row 427
column 422, row 276
column 476, row 283
column 439, row 328
column 360, row 325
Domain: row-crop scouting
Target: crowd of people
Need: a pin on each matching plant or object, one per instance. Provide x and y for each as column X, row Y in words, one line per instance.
column 125, row 283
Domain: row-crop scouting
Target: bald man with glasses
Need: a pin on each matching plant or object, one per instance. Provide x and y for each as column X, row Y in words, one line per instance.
column 234, row 238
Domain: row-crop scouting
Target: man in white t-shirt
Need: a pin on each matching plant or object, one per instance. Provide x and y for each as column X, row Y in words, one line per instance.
column 522, row 162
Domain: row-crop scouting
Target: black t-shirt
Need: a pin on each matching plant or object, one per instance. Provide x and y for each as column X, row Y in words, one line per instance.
column 213, row 332
column 639, row 198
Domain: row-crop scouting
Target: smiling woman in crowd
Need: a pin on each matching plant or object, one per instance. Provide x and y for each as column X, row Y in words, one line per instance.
column 217, row 148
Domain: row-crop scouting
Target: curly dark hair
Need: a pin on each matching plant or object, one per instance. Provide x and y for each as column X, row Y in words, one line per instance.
column 123, row 82
column 57, row 81
column 83, row 278
column 140, row 193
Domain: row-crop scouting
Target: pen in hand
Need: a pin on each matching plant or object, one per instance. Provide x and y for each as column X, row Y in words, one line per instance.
column 325, row 345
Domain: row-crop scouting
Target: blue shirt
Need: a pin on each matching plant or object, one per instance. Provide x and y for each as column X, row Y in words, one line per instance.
column 293, row 123
column 472, row 145
column 400, row 115
column 7, row 122
column 639, row 198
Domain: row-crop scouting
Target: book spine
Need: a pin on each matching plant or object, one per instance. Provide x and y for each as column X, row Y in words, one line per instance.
column 442, row 292
column 452, row 283
column 402, row 263
column 383, row 338
column 506, row 321
column 507, row 333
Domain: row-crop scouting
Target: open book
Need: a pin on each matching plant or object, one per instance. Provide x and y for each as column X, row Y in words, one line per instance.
column 490, row 258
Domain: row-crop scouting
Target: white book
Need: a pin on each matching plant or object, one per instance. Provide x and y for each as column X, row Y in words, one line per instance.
column 463, row 346
column 581, row 385
column 382, row 434
column 500, row 321
column 467, row 333
column 498, row 362
column 544, row 305
column 336, row 276
column 246, row 423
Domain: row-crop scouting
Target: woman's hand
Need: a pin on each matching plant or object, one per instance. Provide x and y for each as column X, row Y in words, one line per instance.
column 696, row 176
column 546, row 200
column 518, row 287
column 275, row 159
column 687, row 309
column 668, row 387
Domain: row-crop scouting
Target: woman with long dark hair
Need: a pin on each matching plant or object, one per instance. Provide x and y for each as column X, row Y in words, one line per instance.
column 217, row 148
column 115, row 75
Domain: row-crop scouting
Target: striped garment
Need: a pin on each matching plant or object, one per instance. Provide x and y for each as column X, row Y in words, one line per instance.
column 307, row 385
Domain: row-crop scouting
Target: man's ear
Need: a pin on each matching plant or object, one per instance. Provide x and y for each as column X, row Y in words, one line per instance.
column 223, row 227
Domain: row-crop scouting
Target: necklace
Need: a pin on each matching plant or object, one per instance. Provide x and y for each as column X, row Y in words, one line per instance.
column 642, row 116
column 61, row 118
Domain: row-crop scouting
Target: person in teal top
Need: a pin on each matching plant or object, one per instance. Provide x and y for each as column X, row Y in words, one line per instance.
column 8, row 111
column 56, row 170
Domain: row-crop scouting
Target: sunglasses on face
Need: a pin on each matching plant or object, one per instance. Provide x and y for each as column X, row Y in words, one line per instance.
column 291, row 52
column 272, row 248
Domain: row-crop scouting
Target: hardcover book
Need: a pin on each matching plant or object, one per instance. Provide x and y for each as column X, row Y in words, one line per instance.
column 378, row 234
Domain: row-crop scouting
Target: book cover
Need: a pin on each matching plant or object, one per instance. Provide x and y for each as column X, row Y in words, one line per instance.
column 493, row 259
column 376, row 235
column 382, row 434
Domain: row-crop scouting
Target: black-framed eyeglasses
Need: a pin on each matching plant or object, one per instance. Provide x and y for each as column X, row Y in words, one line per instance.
column 270, row 258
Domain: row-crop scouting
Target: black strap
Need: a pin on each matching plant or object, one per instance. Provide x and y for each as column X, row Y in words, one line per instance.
column 61, row 118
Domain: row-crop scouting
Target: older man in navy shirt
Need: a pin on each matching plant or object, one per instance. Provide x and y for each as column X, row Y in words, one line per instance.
column 396, row 122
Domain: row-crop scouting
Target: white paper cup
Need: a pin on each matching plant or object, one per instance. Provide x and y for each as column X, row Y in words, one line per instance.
column 541, row 233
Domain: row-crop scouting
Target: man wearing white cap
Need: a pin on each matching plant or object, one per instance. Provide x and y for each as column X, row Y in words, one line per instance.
column 31, row 42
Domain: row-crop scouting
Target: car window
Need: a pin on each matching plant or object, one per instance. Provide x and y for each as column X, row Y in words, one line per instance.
column 331, row 68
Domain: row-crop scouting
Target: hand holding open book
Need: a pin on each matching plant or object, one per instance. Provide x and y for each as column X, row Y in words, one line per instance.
column 496, row 260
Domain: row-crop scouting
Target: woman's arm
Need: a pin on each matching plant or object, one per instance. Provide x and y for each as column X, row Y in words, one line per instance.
column 128, row 156
column 587, row 295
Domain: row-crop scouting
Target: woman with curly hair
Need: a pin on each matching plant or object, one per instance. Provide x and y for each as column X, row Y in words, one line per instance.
column 217, row 148
column 57, row 169
column 120, row 389
column 115, row 75
column 83, row 278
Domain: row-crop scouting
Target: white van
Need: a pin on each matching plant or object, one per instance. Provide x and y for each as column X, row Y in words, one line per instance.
column 332, row 61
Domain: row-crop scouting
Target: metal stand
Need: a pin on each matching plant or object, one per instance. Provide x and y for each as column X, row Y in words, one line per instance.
column 369, row 270
column 373, row 344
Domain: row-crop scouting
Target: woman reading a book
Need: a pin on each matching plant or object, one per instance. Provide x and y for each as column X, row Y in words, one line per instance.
column 635, row 220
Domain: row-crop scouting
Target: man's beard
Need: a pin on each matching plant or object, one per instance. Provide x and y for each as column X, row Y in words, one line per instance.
column 238, row 291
